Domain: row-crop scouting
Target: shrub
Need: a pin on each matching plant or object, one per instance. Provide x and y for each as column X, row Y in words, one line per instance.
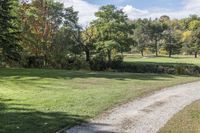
column 157, row 68
column 98, row 63
column 117, row 61
column 76, row 64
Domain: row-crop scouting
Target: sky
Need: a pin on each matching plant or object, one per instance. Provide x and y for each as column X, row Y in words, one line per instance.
column 136, row 8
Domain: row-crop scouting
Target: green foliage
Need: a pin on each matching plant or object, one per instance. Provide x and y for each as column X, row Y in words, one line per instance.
column 172, row 36
column 141, row 35
column 194, row 44
column 112, row 29
column 183, row 69
column 9, row 35
column 51, row 36
column 99, row 63
column 48, row 30
column 156, row 29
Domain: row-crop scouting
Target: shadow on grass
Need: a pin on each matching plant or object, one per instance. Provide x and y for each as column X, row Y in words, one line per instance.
column 37, row 74
column 19, row 119
column 25, row 120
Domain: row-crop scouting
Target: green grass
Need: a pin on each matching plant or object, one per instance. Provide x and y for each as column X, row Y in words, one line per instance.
column 186, row 121
column 163, row 59
column 44, row 101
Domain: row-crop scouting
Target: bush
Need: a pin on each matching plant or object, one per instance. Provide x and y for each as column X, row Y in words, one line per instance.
column 76, row 64
column 99, row 63
column 157, row 68
column 117, row 61
column 34, row 62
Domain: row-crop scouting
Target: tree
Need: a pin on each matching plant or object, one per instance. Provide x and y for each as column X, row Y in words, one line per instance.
column 48, row 30
column 9, row 35
column 171, row 36
column 141, row 35
column 172, row 42
column 190, row 35
column 88, row 38
column 155, row 33
column 68, row 36
column 195, row 42
column 112, row 30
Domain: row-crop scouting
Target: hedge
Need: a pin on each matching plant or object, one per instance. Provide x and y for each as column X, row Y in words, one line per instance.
column 184, row 69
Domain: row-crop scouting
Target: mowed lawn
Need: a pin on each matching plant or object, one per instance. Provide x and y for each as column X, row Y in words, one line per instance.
column 44, row 101
column 186, row 121
column 163, row 59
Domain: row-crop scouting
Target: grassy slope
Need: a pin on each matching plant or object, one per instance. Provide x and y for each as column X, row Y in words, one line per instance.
column 47, row 100
column 164, row 60
column 186, row 121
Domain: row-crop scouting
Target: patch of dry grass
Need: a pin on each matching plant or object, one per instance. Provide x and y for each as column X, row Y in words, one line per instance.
column 186, row 121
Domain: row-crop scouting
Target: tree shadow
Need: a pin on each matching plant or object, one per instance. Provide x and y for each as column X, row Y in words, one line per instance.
column 30, row 75
column 91, row 127
column 24, row 120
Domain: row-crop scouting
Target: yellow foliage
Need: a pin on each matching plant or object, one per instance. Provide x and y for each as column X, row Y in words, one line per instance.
column 186, row 35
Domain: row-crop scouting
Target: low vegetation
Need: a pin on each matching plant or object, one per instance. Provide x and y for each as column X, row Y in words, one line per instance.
column 186, row 121
column 48, row 100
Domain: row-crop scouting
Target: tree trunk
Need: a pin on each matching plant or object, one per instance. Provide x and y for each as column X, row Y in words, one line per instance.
column 196, row 54
column 170, row 53
column 87, row 53
column 142, row 53
column 156, row 47
column 109, row 56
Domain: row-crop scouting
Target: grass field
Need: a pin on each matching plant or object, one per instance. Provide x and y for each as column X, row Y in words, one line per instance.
column 186, row 121
column 44, row 101
column 163, row 59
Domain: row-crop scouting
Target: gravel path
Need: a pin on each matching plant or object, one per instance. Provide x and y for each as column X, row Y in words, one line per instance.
column 145, row 115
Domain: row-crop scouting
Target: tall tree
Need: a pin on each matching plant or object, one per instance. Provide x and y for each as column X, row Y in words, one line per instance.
column 171, row 36
column 190, row 35
column 155, row 33
column 172, row 41
column 112, row 29
column 45, row 25
column 68, row 34
column 9, row 35
column 141, row 35
column 195, row 42
column 89, row 38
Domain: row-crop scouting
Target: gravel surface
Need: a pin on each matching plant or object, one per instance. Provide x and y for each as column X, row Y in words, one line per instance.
column 145, row 115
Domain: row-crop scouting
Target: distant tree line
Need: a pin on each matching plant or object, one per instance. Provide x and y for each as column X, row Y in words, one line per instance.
column 45, row 34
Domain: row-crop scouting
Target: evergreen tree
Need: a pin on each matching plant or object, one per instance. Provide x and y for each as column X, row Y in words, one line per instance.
column 8, row 31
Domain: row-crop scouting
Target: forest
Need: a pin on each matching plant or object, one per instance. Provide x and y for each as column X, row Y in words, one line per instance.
column 47, row 34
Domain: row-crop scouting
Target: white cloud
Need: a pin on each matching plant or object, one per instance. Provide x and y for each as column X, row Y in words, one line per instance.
column 86, row 10
column 131, row 11
column 192, row 4
column 189, row 7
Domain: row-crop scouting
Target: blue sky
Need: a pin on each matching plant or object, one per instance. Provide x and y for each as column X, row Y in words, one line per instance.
column 136, row 8
column 142, row 4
